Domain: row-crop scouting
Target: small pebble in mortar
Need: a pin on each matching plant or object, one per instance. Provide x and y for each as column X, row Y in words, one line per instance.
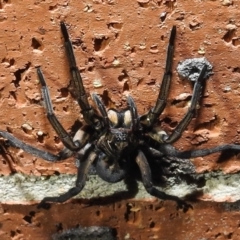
column 191, row 68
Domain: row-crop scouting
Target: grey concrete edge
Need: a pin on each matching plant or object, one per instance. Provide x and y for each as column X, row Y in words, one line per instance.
column 19, row 188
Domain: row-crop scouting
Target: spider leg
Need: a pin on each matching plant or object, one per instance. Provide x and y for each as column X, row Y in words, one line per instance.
column 14, row 142
column 150, row 118
column 86, row 157
column 147, row 182
column 62, row 133
column 169, row 150
column 102, row 109
column 197, row 91
column 78, row 88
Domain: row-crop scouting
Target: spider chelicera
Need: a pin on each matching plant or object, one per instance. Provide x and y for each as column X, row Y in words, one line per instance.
column 111, row 139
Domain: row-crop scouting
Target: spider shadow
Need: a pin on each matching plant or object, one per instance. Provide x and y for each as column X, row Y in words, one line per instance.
column 162, row 169
column 228, row 154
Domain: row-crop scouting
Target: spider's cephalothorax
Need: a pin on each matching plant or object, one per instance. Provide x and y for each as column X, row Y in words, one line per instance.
column 110, row 139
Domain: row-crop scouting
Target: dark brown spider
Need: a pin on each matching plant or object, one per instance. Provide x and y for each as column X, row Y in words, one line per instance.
column 112, row 139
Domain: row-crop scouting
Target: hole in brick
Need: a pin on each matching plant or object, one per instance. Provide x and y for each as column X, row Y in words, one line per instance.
column 90, row 69
column 123, row 76
column 12, row 233
column 91, row 60
column 13, row 94
column 236, row 41
column 51, row 8
column 143, row 4
column 236, row 69
column 36, row 44
column 229, row 35
column 65, row 109
column 18, row 74
column 64, row 92
column 194, row 26
column 57, row 173
column 170, row 4
column 27, row 219
column 98, row 213
column 115, row 25
column 32, row 213
column 57, row 140
column 101, row 43
column 169, row 122
column 41, row 136
column 59, row 227
column 105, row 98
column 3, row 2
column 125, row 87
column 151, row 224
column 10, row 61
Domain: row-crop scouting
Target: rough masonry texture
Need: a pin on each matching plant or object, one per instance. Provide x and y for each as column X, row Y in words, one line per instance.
column 120, row 48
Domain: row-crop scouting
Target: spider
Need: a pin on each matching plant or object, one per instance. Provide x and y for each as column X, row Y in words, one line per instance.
column 111, row 140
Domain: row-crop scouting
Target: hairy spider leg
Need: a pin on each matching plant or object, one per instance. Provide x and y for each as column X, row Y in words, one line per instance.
column 147, row 182
column 102, row 110
column 150, row 118
column 59, row 129
column 86, row 158
column 169, row 150
column 197, row 92
column 78, row 89
column 14, row 142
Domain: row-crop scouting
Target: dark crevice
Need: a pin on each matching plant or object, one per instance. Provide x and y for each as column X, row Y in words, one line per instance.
column 13, row 94
column 101, row 43
column 123, row 76
column 125, row 86
column 18, row 74
column 12, row 233
column 105, row 98
column 236, row 41
column 181, row 103
column 11, row 61
column 64, row 92
column 229, row 35
column 59, row 227
column 169, row 122
column 236, row 69
column 4, row 2
column 51, row 8
column 114, row 25
column 28, row 219
column 57, row 173
column 40, row 137
column 143, row 4
column 57, row 140
column 36, row 44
